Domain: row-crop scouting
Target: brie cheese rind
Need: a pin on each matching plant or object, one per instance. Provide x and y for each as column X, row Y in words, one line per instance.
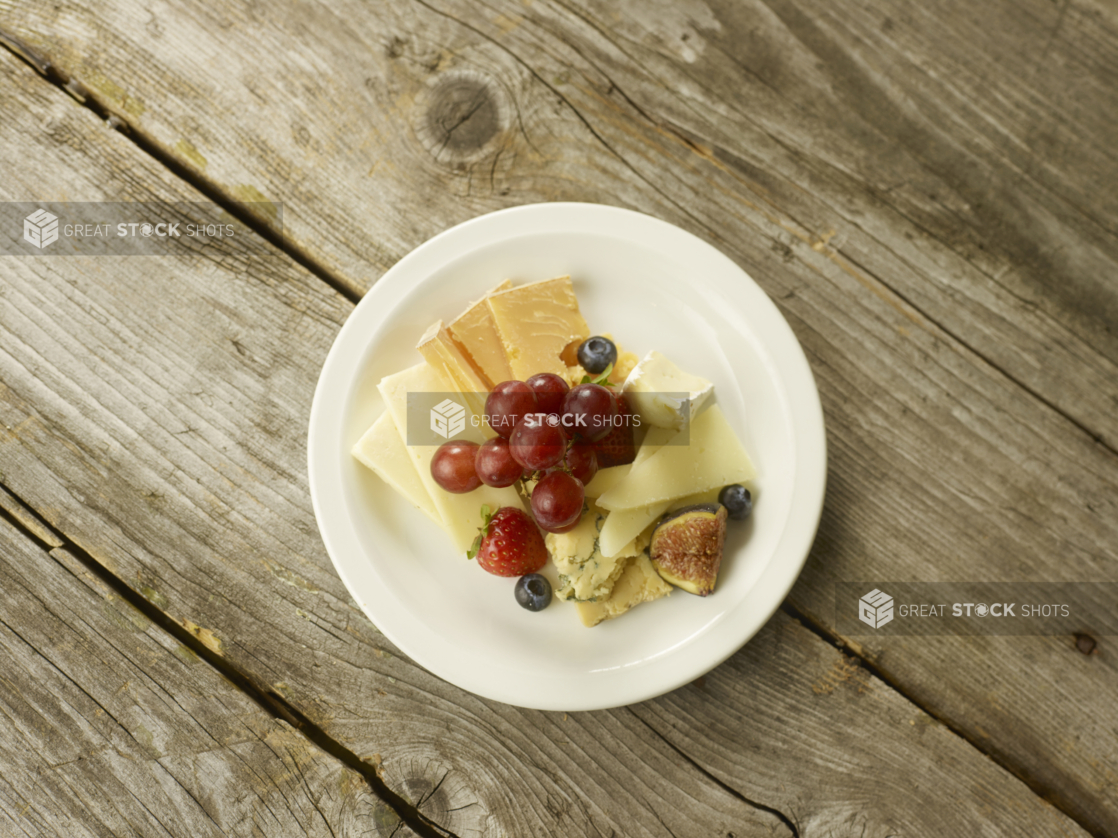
column 461, row 514
column 639, row 582
column 585, row 575
column 711, row 458
column 535, row 323
column 382, row 449
column 663, row 395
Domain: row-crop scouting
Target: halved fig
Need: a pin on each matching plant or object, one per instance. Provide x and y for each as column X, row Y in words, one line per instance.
column 686, row 547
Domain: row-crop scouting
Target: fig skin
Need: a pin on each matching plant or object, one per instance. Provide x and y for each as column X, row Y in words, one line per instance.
column 686, row 547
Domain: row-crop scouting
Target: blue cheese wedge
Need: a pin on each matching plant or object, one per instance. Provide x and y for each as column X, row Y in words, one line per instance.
column 639, row 582
column 663, row 395
column 585, row 575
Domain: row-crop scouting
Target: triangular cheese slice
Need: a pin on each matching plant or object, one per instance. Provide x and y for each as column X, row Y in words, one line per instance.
column 461, row 514
column 475, row 335
column 712, row 457
column 536, row 322
column 382, row 449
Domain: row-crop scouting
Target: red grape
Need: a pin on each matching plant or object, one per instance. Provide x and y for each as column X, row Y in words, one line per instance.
column 537, row 445
column 582, row 461
column 506, row 405
column 557, row 501
column 453, row 466
column 550, row 390
column 495, row 465
column 589, row 409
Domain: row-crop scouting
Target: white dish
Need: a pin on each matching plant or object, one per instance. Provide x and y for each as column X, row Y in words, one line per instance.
column 652, row 286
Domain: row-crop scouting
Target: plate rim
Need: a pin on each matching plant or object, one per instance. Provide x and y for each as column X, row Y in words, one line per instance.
column 808, row 435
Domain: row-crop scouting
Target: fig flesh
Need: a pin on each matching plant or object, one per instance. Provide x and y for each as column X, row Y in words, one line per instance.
column 686, row 547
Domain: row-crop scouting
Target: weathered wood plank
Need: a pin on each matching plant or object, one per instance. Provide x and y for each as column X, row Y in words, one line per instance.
column 223, row 538
column 110, row 726
column 950, row 156
column 174, row 457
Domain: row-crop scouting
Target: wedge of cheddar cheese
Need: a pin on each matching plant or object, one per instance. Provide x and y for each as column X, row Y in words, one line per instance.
column 475, row 335
column 536, row 322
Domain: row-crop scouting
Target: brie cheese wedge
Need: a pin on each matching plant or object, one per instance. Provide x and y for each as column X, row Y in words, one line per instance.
column 664, row 395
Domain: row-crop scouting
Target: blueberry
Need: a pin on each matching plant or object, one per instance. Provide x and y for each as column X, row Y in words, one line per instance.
column 533, row 592
column 597, row 353
column 737, row 500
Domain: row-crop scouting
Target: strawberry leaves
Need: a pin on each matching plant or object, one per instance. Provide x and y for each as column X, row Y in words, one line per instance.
column 486, row 517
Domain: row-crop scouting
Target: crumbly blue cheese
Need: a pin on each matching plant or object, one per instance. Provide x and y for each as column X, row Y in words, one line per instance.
column 638, row 583
column 585, row 575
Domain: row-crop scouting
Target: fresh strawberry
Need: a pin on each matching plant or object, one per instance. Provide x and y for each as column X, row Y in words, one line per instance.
column 617, row 447
column 509, row 543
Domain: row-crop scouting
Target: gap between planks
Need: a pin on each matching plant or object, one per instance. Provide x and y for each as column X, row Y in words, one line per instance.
column 838, row 642
column 271, row 702
column 77, row 91
column 20, row 515
column 74, row 88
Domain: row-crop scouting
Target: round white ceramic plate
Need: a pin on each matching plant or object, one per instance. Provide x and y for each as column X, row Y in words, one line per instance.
column 652, row 286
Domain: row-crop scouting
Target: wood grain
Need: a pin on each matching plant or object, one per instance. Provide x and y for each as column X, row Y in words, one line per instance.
column 109, row 726
column 950, row 157
column 153, row 412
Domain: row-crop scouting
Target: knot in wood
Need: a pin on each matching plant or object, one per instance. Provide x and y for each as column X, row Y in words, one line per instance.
column 462, row 115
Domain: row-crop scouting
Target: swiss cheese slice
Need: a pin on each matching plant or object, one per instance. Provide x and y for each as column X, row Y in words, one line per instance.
column 475, row 335
column 461, row 514
column 654, row 440
column 712, row 457
column 382, row 449
column 624, row 525
column 605, row 480
column 639, row 582
column 536, row 322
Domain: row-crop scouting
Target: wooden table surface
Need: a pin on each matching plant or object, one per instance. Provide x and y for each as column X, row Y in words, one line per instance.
column 928, row 193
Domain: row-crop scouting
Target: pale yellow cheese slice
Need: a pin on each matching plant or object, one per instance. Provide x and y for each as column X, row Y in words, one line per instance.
column 475, row 334
column 654, row 440
column 443, row 354
column 461, row 514
column 382, row 449
column 638, row 583
column 605, row 480
column 713, row 457
column 536, row 322
column 624, row 525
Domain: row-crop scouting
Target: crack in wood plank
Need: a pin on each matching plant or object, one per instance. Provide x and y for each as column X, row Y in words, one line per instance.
column 853, row 653
column 44, row 535
column 214, row 191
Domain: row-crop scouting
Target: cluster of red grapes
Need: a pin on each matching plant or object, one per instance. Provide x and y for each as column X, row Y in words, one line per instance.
column 545, row 429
